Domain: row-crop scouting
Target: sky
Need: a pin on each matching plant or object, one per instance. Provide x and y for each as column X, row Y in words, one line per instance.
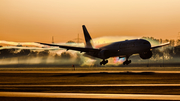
column 39, row 20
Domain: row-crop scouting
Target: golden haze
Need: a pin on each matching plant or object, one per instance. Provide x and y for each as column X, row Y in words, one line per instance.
column 39, row 20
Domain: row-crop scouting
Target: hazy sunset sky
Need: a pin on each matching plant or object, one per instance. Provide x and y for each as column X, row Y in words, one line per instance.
column 39, row 20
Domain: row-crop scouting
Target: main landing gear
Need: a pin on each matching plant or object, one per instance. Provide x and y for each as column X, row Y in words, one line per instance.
column 103, row 62
column 127, row 62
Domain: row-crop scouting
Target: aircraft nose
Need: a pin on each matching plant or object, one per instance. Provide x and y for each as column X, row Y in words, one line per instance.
column 146, row 44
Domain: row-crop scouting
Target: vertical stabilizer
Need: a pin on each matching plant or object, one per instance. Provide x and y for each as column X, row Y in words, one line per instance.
column 87, row 37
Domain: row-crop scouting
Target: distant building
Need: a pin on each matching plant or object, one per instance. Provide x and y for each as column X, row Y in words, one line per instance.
column 70, row 41
column 19, row 45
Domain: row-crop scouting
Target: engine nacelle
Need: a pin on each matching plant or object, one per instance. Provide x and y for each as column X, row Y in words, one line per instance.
column 104, row 54
column 146, row 54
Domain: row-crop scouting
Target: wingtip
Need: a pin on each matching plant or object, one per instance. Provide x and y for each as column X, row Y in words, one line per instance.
column 167, row 43
column 36, row 42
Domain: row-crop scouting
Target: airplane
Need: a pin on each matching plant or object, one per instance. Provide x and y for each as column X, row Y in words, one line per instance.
column 119, row 49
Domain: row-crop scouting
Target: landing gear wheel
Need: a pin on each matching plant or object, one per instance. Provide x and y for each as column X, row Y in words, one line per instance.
column 104, row 62
column 129, row 62
column 126, row 62
column 100, row 63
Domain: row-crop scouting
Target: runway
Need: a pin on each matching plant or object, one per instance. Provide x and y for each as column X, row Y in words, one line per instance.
column 89, row 71
column 97, row 85
column 90, row 96
column 102, row 84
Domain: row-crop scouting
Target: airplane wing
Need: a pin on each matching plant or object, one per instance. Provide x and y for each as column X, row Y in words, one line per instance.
column 81, row 49
column 161, row 45
column 30, row 48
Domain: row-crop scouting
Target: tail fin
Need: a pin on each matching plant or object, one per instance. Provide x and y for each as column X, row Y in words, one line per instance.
column 87, row 37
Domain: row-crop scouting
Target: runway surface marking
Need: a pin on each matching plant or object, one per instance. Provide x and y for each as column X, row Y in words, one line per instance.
column 96, row 85
column 89, row 71
column 90, row 95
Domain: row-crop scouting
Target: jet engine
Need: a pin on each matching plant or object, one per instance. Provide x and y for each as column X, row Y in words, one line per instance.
column 104, row 54
column 146, row 54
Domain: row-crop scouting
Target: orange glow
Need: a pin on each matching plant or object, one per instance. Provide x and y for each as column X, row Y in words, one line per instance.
column 39, row 20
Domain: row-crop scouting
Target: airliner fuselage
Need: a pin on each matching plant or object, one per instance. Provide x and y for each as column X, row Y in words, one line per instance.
column 123, row 48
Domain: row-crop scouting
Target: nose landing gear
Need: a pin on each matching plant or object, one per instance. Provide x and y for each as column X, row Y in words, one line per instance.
column 127, row 62
column 103, row 62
